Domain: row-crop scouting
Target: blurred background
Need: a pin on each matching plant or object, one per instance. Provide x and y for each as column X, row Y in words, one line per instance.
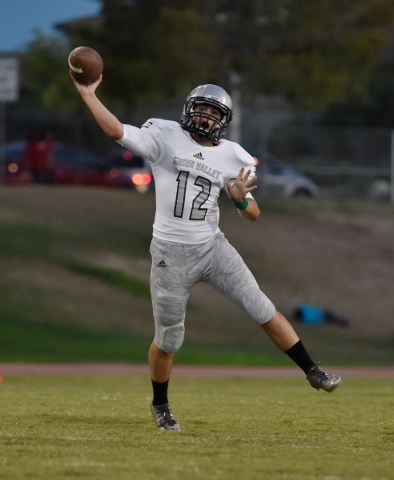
column 313, row 91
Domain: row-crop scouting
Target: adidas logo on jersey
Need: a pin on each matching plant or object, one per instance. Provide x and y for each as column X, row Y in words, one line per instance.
column 162, row 263
column 199, row 156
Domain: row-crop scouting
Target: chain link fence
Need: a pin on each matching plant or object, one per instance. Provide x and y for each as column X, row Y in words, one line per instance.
column 345, row 162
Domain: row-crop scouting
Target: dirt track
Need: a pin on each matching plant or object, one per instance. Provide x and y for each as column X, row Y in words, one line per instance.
column 180, row 370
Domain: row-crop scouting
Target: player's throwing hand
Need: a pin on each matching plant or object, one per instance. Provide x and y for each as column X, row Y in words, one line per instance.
column 85, row 89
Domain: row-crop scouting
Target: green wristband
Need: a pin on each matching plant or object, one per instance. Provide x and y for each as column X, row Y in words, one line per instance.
column 241, row 205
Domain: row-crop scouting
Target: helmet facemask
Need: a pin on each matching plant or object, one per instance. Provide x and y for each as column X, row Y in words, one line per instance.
column 193, row 121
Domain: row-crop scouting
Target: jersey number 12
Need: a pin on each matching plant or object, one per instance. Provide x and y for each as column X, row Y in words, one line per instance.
column 197, row 212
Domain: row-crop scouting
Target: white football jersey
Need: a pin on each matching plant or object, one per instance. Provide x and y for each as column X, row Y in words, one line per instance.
column 188, row 178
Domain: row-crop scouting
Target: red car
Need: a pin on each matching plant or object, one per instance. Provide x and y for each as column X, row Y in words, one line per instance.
column 70, row 166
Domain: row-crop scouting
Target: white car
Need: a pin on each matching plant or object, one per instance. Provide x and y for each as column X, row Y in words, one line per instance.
column 276, row 180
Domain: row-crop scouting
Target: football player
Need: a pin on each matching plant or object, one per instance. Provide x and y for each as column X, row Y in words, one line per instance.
column 191, row 163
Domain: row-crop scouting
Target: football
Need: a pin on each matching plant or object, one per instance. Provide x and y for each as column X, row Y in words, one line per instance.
column 85, row 64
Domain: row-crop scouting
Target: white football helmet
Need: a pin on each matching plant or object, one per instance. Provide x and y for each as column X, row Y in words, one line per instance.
column 211, row 95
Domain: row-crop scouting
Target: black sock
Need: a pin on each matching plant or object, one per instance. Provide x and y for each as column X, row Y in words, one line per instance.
column 300, row 356
column 160, row 393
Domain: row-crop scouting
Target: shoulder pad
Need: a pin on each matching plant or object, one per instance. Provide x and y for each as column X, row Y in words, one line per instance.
column 159, row 124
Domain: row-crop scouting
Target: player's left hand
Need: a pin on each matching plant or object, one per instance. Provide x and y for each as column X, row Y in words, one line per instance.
column 241, row 186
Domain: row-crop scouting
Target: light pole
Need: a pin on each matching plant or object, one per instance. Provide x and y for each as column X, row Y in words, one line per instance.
column 235, row 125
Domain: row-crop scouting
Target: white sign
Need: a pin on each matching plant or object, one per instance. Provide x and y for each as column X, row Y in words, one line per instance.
column 9, row 79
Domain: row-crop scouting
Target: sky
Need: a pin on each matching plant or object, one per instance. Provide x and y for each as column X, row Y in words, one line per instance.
column 19, row 18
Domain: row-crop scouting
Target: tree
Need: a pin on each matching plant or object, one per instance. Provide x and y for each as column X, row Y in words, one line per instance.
column 311, row 52
column 44, row 72
column 151, row 49
column 374, row 109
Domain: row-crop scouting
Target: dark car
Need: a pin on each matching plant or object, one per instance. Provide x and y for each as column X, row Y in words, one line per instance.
column 130, row 169
column 70, row 165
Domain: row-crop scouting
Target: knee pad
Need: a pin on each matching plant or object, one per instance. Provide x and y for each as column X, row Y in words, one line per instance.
column 169, row 313
column 170, row 339
column 260, row 309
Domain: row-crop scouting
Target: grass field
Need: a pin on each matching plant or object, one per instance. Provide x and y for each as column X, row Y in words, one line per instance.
column 75, row 288
column 90, row 427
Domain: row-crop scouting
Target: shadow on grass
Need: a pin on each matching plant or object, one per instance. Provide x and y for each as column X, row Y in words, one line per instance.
column 113, row 277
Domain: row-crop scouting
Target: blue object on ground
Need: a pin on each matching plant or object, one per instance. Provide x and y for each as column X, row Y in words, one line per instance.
column 309, row 314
